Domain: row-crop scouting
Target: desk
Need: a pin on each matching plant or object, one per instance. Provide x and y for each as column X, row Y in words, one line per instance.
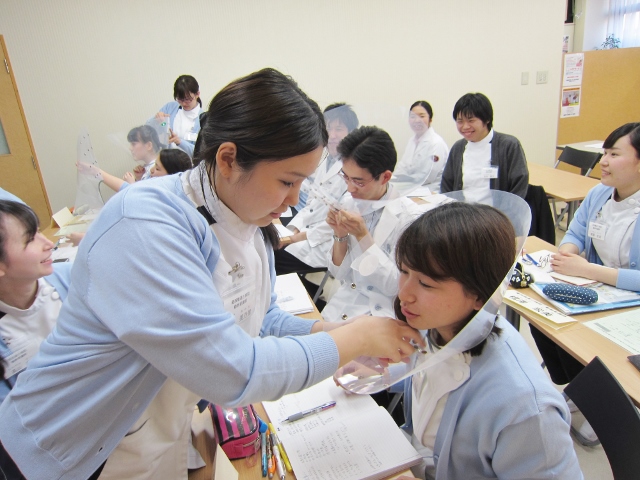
column 583, row 146
column 203, row 441
column 564, row 186
column 582, row 342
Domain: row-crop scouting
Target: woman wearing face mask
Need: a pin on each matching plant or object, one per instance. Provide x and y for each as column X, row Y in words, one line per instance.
column 197, row 313
column 183, row 114
column 426, row 153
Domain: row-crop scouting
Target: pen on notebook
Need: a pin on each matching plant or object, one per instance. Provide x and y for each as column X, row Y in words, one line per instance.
column 311, row 411
column 276, row 455
column 531, row 259
column 283, row 454
column 263, row 439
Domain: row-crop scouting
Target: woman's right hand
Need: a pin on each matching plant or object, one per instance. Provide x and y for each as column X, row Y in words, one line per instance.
column 138, row 172
column 379, row 337
column 160, row 116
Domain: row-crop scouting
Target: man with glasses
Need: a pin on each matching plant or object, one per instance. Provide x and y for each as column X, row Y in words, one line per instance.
column 307, row 247
column 365, row 229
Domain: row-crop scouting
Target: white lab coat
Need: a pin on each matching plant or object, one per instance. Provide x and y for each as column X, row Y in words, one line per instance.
column 418, row 166
column 374, row 291
column 312, row 218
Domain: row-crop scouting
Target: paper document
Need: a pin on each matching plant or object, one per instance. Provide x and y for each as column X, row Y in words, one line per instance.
column 543, row 272
column 544, row 313
column 292, row 296
column 355, row 440
column 622, row 329
column 282, row 230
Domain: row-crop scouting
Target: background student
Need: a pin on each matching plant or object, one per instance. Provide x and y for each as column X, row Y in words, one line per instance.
column 426, row 153
column 190, row 308
column 366, row 228
column 310, row 242
column 31, row 289
column 484, row 159
column 183, row 114
column 489, row 412
column 144, row 145
column 605, row 228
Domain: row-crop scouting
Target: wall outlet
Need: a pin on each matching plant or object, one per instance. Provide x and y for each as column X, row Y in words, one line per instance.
column 541, row 77
column 524, row 78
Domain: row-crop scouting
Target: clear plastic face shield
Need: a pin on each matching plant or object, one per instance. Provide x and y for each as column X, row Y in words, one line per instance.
column 371, row 375
column 88, row 196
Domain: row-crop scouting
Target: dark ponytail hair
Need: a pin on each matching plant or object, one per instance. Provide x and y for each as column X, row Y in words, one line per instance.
column 268, row 118
column 184, row 87
column 144, row 134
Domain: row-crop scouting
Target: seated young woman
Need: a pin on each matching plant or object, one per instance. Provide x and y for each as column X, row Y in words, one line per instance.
column 605, row 229
column 490, row 411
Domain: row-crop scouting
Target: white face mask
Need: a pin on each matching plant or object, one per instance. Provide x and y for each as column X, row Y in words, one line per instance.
column 368, row 375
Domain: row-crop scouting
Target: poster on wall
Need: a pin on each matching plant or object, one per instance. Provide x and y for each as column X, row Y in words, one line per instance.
column 570, row 102
column 573, row 66
column 565, row 43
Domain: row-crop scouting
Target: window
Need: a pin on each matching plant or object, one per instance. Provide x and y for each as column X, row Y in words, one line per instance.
column 624, row 22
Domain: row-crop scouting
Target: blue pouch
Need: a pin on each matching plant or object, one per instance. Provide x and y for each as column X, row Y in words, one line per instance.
column 562, row 292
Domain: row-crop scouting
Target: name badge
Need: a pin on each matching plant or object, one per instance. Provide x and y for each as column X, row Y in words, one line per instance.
column 490, row 172
column 190, row 136
column 597, row 230
column 22, row 350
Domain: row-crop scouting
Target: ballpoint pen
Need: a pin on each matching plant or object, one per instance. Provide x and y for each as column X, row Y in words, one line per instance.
column 531, row 259
column 276, row 455
column 306, row 413
column 283, row 454
column 263, row 439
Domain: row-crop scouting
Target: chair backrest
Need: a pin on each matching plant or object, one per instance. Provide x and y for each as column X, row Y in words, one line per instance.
column 582, row 159
column 611, row 413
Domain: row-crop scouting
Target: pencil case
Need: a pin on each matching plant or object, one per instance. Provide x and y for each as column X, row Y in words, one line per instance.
column 570, row 293
column 237, row 430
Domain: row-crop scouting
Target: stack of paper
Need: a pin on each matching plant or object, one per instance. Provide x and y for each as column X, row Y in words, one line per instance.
column 354, row 440
column 544, row 313
column 292, row 296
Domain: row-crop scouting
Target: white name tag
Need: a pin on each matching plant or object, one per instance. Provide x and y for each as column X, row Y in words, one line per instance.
column 490, row 172
column 190, row 136
column 597, row 230
column 22, row 350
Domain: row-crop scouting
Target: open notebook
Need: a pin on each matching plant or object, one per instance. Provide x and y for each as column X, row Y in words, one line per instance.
column 354, row 440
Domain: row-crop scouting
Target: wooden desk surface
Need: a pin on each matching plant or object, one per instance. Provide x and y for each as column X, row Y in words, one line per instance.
column 565, row 186
column 586, row 146
column 582, row 342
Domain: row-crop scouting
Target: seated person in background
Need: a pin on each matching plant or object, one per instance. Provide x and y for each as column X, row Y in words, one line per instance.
column 30, row 289
column 341, row 120
column 365, row 230
column 484, row 159
column 310, row 243
column 183, row 114
column 606, row 229
column 426, row 154
column 144, row 147
column 490, row 411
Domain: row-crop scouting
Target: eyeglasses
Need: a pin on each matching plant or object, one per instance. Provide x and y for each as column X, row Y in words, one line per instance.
column 185, row 100
column 347, row 179
column 542, row 262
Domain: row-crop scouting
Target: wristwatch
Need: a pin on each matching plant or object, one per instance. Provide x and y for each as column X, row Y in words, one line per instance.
column 340, row 239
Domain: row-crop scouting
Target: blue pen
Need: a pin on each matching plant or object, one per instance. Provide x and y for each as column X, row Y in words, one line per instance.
column 531, row 259
column 263, row 439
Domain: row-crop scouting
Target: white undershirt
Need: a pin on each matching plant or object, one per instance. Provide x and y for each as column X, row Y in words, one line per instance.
column 476, row 158
column 620, row 219
column 26, row 329
column 185, row 120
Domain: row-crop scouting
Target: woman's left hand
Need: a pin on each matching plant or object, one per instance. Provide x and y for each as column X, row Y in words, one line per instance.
column 570, row 264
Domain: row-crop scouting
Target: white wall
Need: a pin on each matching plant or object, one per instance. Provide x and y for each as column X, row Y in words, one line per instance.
column 109, row 65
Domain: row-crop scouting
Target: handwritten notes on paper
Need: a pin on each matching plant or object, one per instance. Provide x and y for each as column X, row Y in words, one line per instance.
column 622, row 329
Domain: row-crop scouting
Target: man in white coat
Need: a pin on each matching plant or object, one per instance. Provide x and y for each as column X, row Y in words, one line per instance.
column 306, row 249
column 366, row 228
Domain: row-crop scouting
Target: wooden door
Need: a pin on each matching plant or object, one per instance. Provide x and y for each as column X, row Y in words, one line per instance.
column 19, row 171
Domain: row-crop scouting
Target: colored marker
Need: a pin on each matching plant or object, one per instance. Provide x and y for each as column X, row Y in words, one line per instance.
column 283, row 454
column 276, row 455
column 306, row 413
column 263, row 439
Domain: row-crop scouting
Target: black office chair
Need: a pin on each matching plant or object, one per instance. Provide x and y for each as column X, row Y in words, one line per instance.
column 585, row 161
column 612, row 415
